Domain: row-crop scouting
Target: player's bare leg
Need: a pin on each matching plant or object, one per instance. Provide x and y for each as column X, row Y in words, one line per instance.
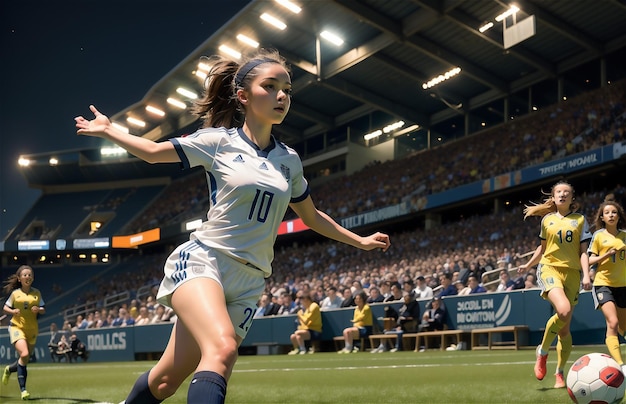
column 201, row 307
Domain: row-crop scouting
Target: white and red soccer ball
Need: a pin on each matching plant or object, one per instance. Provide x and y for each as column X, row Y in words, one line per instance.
column 596, row 378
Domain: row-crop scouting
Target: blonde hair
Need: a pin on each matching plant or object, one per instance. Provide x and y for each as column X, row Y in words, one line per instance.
column 548, row 205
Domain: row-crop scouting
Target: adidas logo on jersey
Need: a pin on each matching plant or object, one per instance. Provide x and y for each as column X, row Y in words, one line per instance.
column 263, row 166
column 238, row 159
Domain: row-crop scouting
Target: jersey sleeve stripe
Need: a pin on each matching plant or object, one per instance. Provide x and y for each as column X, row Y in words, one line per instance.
column 301, row 197
column 184, row 161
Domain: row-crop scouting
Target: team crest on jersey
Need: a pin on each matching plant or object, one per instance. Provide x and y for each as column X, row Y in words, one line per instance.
column 286, row 172
column 573, row 223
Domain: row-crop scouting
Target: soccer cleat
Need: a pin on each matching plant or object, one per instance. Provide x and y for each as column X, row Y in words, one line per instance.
column 302, row 352
column 5, row 375
column 311, row 351
column 540, row 364
column 560, row 381
column 343, row 351
column 294, row 351
column 393, row 350
column 25, row 395
column 355, row 349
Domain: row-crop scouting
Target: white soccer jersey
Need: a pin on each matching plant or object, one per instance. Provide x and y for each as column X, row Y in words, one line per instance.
column 249, row 191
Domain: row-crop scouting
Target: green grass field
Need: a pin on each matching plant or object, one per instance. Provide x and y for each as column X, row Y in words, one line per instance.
column 402, row 377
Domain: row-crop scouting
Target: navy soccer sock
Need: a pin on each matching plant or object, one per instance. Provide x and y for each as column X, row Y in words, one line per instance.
column 22, row 373
column 207, row 387
column 140, row 393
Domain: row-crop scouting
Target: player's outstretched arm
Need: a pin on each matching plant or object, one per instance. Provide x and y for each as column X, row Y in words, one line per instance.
column 323, row 224
column 147, row 150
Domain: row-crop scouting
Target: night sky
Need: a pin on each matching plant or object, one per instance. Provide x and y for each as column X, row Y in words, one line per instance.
column 58, row 57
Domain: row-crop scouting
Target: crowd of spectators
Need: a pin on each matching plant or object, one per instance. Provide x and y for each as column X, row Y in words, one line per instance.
column 451, row 259
column 421, row 260
column 585, row 122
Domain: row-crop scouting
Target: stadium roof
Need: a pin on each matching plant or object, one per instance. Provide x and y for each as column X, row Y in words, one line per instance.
column 391, row 48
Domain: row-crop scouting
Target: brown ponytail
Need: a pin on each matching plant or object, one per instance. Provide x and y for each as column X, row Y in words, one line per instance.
column 219, row 105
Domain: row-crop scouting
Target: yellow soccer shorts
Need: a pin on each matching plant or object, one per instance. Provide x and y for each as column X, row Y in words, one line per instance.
column 550, row 277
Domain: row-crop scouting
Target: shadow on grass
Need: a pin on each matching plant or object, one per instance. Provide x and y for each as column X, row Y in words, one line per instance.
column 68, row 400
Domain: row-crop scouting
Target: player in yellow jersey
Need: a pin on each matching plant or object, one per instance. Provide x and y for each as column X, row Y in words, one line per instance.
column 24, row 305
column 309, row 327
column 562, row 256
column 608, row 251
column 362, row 323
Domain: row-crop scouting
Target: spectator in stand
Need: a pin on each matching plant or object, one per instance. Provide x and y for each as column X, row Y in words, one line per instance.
column 461, row 288
column 506, row 283
column 133, row 308
column 375, row 296
column 463, row 271
column 475, row 286
column 151, row 304
column 144, row 317
column 447, row 288
column 423, row 291
column 408, row 285
column 124, row 319
column 407, row 318
column 385, row 289
column 332, row 299
column 109, row 320
column 434, row 318
column 62, row 350
column 362, row 324
column 53, row 343
column 309, row 326
column 81, row 323
column 98, row 321
column 348, row 298
column 287, row 303
column 396, row 293
column 262, row 305
column 297, row 302
column 530, row 281
column 77, row 349
column 162, row 314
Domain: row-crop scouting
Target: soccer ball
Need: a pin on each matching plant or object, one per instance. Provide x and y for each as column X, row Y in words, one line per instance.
column 596, row 378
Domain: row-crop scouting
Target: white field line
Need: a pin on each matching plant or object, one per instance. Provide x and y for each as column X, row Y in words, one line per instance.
column 407, row 366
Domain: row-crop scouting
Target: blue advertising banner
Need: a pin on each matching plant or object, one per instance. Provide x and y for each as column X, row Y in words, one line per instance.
column 572, row 163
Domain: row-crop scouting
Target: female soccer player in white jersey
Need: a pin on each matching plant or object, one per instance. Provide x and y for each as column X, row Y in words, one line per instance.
column 213, row 281
column 562, row 255
column 24, row 305
column 607, row 250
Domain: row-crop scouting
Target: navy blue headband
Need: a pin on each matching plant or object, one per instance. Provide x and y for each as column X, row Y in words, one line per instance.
column 245, row 69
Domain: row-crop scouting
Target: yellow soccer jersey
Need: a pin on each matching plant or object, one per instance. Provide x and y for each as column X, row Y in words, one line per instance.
column 563, row 236
column 363, row 318
column 611, row 271
column 26, row 320
column 311, row 319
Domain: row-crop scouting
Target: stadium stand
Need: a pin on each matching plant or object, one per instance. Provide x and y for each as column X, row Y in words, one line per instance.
column 478, row 237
